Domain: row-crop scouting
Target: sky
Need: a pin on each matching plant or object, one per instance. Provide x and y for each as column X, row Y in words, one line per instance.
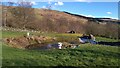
column 64, row 0
column 90, row 9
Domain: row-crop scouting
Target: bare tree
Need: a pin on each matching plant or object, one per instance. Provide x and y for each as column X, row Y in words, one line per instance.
column 10, row 3
column 23, row 14
column 112, row 30
column 25, row 3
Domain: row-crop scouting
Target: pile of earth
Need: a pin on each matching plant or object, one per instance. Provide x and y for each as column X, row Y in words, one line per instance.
column 23, row 42
column 36, row 42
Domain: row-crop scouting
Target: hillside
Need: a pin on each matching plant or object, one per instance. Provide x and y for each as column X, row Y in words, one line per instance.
column 103, row 20
column 56, row 21
column 43, row 19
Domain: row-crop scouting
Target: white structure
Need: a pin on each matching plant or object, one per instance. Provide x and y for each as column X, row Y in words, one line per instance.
column 28, row 34
column 59, row 45
column 82, row 40
column 73, row 47
column 92, row 37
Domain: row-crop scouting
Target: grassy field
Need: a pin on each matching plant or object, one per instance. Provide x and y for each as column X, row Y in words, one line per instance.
column 84, row 55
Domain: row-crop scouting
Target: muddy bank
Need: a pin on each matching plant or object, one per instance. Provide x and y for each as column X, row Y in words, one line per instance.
column 37, row 42
column 24, row 42
column 44, row 42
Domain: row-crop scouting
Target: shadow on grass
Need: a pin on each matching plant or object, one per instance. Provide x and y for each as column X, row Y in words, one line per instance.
column 109, row 43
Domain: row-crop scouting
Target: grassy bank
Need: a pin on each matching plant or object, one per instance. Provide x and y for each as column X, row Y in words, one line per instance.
column 84, row 55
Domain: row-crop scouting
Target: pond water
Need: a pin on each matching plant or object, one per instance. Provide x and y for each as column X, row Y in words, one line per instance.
column 52, row 45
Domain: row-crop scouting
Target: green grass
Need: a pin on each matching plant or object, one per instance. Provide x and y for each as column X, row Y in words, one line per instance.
column 51, row 34
column 17, row 34
column 6, row 34
column 85, row 55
